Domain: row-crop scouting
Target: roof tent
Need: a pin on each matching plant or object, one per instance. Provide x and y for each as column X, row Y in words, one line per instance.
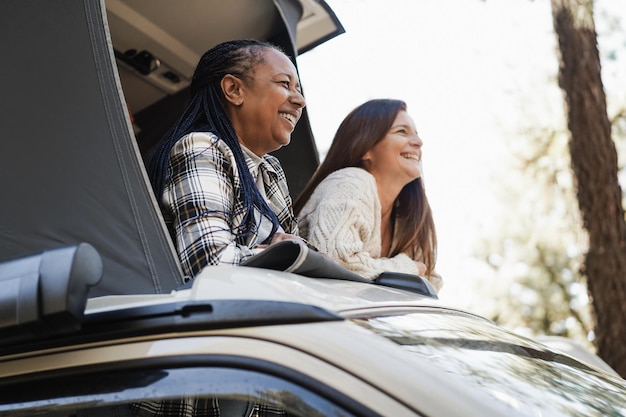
column 72, row 168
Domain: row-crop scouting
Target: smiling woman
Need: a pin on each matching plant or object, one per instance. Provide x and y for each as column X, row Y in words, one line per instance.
column 223, row 197
column 365, row 205
column 264, row 108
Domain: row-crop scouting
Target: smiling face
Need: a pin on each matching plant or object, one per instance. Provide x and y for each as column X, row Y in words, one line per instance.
column 397, row 158
column 268, row 104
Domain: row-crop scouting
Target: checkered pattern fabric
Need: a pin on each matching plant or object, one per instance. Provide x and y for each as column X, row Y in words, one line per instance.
column 204, row 407
column 186, row 407
column 202, row 202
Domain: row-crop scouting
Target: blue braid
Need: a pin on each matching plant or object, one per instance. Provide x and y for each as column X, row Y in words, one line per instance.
column 206, row 113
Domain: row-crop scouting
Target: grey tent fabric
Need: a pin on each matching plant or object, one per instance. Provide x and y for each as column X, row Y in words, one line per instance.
column 71, row 171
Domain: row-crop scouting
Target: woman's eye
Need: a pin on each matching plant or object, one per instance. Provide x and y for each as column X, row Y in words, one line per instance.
column 287, row 84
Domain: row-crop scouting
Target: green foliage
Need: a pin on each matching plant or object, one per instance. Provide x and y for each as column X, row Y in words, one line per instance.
column 536, row 260
column 537, row 246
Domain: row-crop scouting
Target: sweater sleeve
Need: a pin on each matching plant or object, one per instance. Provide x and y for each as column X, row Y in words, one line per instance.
column 342, row 220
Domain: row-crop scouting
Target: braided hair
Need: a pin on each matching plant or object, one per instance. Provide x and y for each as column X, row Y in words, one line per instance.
column 206, row 113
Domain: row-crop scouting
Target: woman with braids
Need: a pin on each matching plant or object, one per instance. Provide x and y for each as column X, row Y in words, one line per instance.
column 223, row 197
column 365, row 206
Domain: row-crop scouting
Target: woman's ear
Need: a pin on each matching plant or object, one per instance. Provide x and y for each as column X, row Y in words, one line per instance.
column 231, row 87
column 366, row 160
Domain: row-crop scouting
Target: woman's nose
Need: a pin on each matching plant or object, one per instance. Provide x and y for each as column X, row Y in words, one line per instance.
column 298, row 98
column 415, row 140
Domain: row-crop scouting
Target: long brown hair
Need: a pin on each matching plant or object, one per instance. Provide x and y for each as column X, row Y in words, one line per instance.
column 363, row 128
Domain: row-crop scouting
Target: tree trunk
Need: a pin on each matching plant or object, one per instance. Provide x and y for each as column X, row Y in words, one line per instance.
column 594, row 162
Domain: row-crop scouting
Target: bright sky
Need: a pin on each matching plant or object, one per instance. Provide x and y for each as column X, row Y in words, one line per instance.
column 470, row 71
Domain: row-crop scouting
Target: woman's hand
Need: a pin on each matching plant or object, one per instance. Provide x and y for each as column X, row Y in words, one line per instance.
column 279, row 237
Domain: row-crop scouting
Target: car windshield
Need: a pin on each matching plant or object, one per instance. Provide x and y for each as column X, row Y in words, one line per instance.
column 509, row 371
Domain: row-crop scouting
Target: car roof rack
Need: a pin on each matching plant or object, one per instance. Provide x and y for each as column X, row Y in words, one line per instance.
column 44, row 296
column 407, row 282
column 46, row 293
column 168, row 317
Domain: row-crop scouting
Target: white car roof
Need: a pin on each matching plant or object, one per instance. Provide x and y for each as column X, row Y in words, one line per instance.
column 254, row 284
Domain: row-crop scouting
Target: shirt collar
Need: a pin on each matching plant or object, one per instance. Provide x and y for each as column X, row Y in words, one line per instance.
column 254, row 161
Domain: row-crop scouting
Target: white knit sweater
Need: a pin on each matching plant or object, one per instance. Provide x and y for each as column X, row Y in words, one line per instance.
column 342, row 219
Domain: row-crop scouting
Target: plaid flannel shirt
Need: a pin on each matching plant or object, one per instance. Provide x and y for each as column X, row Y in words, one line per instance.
column 202, row 202
column 202, row 407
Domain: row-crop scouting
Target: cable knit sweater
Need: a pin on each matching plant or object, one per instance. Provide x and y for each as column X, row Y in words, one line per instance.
column 342, row 219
